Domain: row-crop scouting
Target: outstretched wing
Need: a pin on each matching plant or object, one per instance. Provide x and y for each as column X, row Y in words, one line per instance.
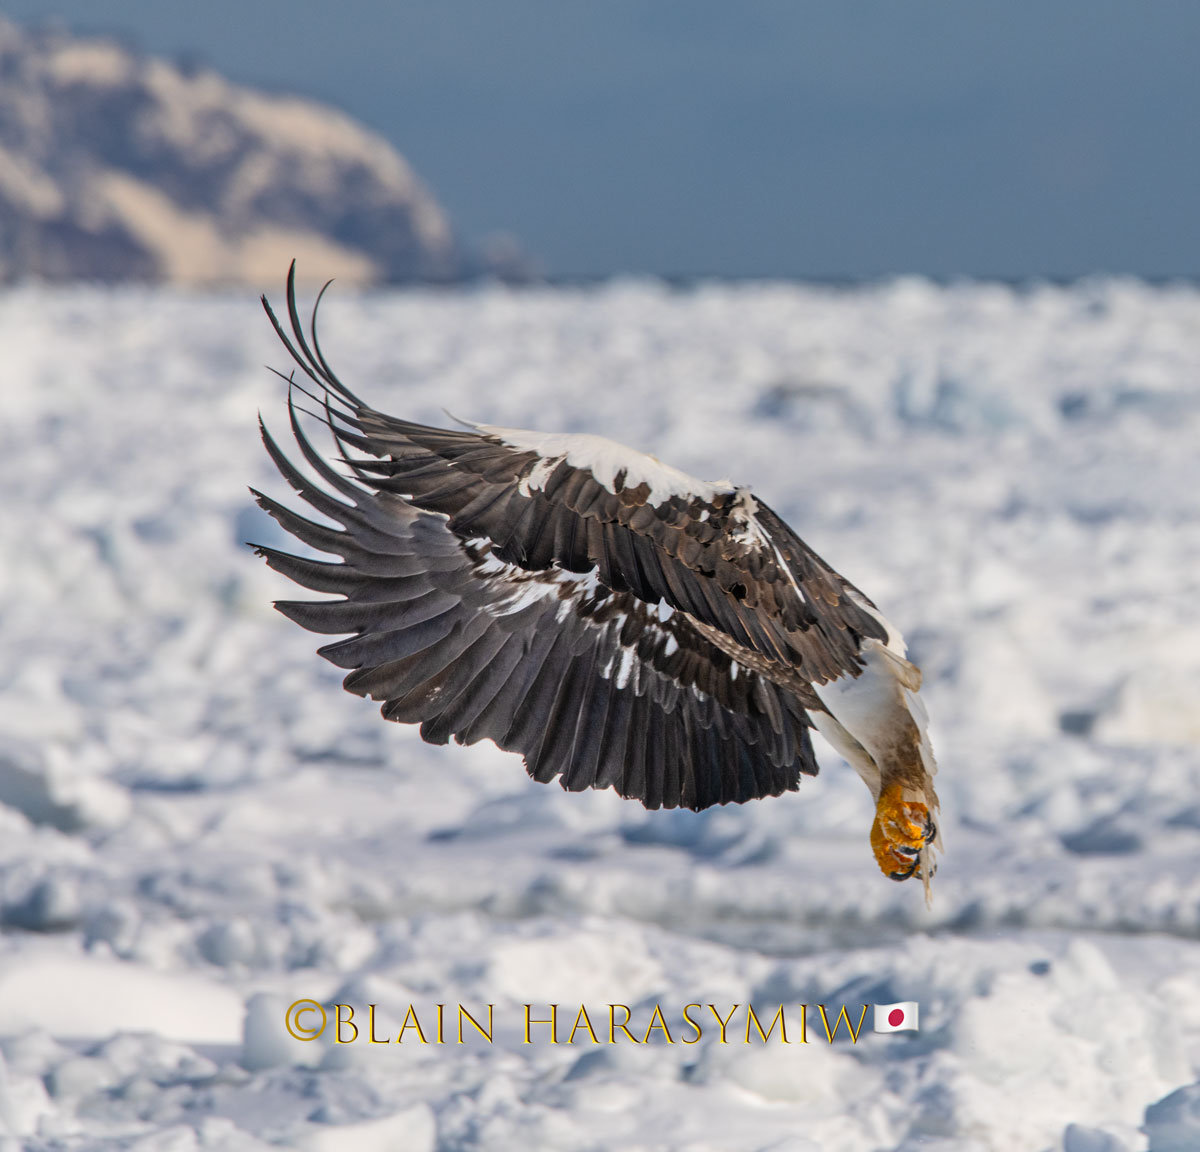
column 586, row 683
column 611, row 619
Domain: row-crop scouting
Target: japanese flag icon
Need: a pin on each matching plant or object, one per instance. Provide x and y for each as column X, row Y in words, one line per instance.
column 896, row 1017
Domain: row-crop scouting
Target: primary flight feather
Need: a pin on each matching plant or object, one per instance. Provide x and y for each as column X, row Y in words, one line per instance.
column 615, row 621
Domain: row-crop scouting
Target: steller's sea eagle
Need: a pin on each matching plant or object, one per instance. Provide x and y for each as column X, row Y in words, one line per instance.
column 617, row 622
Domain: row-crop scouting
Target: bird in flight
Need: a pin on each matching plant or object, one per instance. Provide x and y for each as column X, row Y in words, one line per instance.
column 616, row 622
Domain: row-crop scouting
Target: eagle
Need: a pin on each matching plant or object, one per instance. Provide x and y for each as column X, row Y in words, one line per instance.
column 614, row 621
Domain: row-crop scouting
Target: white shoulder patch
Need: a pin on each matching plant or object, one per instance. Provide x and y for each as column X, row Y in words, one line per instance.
column 895, row 642
column 604, row 459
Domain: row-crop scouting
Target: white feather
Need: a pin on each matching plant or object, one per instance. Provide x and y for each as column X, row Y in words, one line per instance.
column 872, row 709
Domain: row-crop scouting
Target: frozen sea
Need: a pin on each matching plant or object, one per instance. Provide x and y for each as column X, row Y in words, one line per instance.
column 198, row 827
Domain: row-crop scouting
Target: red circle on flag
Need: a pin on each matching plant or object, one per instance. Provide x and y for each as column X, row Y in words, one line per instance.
column 896, row 1017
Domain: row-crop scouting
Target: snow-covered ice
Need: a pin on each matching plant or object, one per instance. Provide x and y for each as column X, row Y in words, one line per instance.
column 198, row 827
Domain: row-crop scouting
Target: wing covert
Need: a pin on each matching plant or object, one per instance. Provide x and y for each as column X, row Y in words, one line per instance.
column 583, row 503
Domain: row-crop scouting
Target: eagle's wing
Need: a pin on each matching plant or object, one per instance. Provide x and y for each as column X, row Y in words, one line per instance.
column 611, row 619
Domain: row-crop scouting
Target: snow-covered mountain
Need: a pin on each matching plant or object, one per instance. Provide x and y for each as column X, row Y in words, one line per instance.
column 116, row 165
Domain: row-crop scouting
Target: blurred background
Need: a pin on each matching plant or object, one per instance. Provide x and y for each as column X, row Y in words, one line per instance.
column 678, row 139
column 923, row 276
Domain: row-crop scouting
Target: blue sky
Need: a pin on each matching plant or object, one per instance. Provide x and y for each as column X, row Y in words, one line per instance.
column 753, row 138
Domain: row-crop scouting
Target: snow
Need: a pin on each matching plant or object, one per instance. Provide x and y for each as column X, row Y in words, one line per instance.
column 74, row 996
column 198, row 828
column 195, row 248
column 89, row 62
column 606, row 460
